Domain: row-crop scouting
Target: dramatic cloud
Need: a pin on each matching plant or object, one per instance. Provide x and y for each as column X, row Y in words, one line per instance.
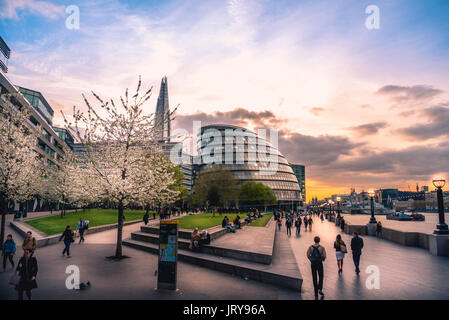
column 314, row 151
column 437, row 127
column 238, row 116
column 368, row 129
column 9, row 8
column 404, row 94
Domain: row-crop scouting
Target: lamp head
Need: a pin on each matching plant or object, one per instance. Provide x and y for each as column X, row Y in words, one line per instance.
column 439, row 182
column 338, row 199
column 371, row 193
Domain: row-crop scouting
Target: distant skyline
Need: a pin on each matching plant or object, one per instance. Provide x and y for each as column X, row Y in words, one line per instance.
column 359, row 108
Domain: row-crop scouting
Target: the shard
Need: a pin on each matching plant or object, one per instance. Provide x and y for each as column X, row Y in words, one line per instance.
column 162, row 116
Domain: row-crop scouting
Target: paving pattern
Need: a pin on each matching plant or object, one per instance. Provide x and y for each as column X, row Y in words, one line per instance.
column 405, row 272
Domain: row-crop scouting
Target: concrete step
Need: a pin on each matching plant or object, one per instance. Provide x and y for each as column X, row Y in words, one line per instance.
column 209, row 249
column 215, row 232
column 254, row 271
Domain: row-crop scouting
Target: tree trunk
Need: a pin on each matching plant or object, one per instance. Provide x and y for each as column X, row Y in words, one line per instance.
column 3, row 211
column 118, row 250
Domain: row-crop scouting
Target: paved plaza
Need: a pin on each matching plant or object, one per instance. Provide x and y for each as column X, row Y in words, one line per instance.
column 405, row 272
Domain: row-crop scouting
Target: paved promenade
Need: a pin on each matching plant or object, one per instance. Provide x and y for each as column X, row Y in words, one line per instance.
column 405, row 272
column 427, row 226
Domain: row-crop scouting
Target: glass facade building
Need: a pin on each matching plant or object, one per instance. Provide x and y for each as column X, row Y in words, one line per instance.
column 300, row 173
column 250, row 158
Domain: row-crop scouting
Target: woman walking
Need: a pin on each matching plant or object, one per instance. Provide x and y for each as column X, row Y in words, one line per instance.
column 68, row 239
column 310, row 223
column 306, row 221
column 279, row 224
column 340, row 250
column 9, row 248
column 27, row 269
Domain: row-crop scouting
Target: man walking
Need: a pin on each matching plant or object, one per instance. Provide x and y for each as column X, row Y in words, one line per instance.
column 317, row 254
column 356, row 247
column 298, row 225
column 29, row 243
column 288, row 224
column 82, row 227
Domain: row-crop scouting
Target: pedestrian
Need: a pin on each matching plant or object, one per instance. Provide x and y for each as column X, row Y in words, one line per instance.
column 298, row 223
column 356, row 247
column 68, row 239
column 9, row 248
column 322, row 217
column 288, row 224
column 154, row 215
column 27, row 268
column 317, row 254
column 29, row 242
column 82, row 227
column 340, row 250
column 342, row 224
column 379, row 229
column 146, row 217
column 306, row 222
column 310, row 223
column 279, row 224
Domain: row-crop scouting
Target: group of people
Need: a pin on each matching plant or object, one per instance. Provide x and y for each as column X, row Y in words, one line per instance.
column 198, row 239
column 292, row 219
column 68, row 235
column 225, row 223
column 317, row 254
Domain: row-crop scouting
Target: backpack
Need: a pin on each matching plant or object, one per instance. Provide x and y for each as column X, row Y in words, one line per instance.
column 316, row 255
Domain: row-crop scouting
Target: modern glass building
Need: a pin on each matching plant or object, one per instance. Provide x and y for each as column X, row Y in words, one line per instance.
column 300, row 173
column 4, row 55
column 250, row 158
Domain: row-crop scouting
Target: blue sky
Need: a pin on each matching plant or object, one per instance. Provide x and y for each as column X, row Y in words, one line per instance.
column 311, row 63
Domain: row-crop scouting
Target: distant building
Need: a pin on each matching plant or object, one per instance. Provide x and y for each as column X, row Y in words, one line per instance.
column 162, row 115
column 4, row 55
column 300, row 173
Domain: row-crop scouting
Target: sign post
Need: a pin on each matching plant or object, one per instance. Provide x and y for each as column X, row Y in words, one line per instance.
column 168, row 254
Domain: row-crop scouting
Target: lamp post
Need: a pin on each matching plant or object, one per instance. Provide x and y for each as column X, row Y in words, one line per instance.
column 442, row 226
column 371, row 195
column 338, row 206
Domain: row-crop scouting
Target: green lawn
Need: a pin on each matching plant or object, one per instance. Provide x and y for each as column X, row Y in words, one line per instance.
column 262, row 222
column 206, row 220
column 97, row 217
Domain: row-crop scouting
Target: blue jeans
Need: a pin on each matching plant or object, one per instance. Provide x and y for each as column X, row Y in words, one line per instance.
column 67, row 247
column 356, row 258
column 229, row 227
column 298, row 230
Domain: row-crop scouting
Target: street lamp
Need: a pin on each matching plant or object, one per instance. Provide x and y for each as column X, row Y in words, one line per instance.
column 442, row 226
column 371, row 195
column 338, row 206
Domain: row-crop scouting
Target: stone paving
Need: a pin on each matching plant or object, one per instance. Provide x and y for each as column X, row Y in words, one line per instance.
column 427, row 226
column 405, row 272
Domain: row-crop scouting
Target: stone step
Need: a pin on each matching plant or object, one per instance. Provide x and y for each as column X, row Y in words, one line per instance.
column 254, row 271
column 209, row 249
column 215, row 232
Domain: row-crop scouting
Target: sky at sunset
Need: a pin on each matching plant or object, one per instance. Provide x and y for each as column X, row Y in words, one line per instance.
column 359, row 108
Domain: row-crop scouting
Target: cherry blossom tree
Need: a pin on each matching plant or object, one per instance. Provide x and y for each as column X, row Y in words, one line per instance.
column 21, row 171
column 121, row 151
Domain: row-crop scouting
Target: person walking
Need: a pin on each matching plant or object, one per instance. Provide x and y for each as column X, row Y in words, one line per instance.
column 68, row 239
column 342, row 224
column 306, row 222
column 9, row 248
column 379, row 229
column 322, row 217
column 146, row 217
column 317, row 254
column 340, row 251
column 356, row 247
column 310, row 223
column 279, row 224
column 82, row 227
column 29, row 242
column 288, row 224
column 298, row 223
column 27, row 268
column 154, row 215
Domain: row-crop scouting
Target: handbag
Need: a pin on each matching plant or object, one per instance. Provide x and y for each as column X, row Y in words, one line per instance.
column 15, row 279
column 343, row 248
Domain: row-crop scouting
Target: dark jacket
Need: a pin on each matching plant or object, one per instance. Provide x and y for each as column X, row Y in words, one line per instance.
column 9, row 247
column 27, row 269
column 67, row 235
column 146, row 216
column 356, row 245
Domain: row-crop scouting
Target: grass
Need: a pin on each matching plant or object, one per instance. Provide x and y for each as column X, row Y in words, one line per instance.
column 97, row 217
column 262, row 222
column 206, row 220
